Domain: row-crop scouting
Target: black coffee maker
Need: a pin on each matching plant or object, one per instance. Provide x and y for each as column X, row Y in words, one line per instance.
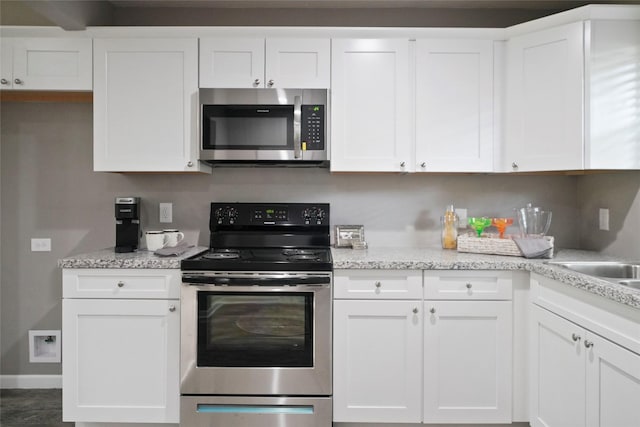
column 127, row 224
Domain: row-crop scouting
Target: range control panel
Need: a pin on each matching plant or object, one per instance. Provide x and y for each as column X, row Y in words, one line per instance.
column 312, row 128
column 278, row 214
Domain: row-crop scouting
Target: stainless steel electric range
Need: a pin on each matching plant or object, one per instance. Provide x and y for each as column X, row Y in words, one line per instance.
column 256, row 319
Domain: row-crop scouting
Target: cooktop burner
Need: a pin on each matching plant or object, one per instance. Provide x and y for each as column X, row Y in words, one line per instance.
column 261, row 259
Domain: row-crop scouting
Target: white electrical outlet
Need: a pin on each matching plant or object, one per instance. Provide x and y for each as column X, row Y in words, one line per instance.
column 462, row 216
column 166, row 212
column 604, row 219
column 40, row 245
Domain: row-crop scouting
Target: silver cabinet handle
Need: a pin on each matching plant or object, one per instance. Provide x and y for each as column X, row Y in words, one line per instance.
column 172, row 308
column 514, row 165
column 432, row 310
column 378, row 284
column 120, row 284
column 588, row 344
column 402, row 164
column 575, row 337
column 18, row 81
column 423, row 164
column 270, row 83
column 189, row 164
column 256, row 82
column 4, row 81
column 469, row 285
column 415, row 310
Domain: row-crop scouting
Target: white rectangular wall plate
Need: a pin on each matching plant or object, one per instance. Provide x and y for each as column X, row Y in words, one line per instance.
column 166, row 212
column 41, row 245
column 44, row 346
column 603, row 219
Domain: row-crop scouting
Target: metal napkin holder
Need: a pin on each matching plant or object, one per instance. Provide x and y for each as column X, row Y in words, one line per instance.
column 349, row 236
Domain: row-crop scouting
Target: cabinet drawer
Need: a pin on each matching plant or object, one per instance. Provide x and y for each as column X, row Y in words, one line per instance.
column 121, row 283
column 467, row 285
column 377, row 284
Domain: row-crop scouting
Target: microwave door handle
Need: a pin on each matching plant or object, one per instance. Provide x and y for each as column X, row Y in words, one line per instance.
column 297, row 120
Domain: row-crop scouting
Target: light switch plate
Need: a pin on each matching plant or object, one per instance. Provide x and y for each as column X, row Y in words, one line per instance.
column 41, row 245
column 604, row 219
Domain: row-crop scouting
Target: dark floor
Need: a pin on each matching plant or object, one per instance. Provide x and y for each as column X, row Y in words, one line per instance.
column 31, row 407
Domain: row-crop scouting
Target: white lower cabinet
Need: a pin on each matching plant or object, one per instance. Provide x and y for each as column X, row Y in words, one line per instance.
column 467, row 362
column 422, row 361
column 120, row 355
column 579, row 378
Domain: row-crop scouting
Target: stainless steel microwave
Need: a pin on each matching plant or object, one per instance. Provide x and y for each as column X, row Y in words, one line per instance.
column 264, row 127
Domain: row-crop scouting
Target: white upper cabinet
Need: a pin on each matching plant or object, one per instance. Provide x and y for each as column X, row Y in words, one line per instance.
column 145, row 105
column 370, row 106
column 570, row 92
column 46, row 64
column 544, row 100
column 454, row 105
column 260, row 63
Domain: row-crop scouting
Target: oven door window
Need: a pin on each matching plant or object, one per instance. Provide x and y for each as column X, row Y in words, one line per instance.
column 255, row 329
column 247, row 127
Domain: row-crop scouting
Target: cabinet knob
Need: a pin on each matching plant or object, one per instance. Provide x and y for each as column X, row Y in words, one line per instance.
column 190, row 164
column 172, row 308
column 402, row 164
column 256, row 82
column 415, row 310
column 423, row 164
column 514, row 165
column 270, row 83
column 575, row 337
column 469, row 285
column 378, row 284
column 120, row 284
column 588, row 344
column 18, row 81
column 432, row 310
column 4, row 81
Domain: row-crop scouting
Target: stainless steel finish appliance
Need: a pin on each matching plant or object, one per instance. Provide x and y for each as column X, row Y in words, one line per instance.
column 264, row 127
column 256, row 319
column 127, row 224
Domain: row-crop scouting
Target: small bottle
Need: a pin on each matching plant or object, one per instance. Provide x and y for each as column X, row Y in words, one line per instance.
column 449, row 228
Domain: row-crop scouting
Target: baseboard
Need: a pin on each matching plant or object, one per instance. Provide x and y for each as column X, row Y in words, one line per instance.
column 30, row 381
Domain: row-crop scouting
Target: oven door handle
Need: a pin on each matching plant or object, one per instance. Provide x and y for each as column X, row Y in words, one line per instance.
column 197, row 280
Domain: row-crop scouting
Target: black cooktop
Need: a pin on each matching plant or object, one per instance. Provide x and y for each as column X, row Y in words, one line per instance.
column 261, row 259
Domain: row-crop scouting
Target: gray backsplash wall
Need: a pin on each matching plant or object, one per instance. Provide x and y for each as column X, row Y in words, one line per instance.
column 620, row 193
column 50, row 190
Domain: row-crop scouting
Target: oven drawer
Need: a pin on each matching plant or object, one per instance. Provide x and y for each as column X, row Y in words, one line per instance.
column 467, row 285
column 377, row 284
column 241, row 411
column 121, row 283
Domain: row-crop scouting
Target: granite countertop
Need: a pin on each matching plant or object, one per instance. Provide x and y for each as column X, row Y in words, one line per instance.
column 438, row 259
column 398, row 259
column 107, row 258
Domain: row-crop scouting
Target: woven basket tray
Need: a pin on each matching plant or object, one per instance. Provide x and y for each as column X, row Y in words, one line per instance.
column 491, row 244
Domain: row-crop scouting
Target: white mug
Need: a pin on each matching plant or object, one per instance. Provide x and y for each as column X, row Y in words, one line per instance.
column 173, row 238
column 155, row 240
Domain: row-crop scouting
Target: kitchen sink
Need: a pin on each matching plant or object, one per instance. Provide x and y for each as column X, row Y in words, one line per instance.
column 623, row 273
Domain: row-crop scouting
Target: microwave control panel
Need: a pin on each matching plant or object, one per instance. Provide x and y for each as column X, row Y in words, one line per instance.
column 312, row 129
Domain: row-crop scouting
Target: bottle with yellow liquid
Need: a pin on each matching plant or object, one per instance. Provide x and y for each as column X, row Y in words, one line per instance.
column 449, row 228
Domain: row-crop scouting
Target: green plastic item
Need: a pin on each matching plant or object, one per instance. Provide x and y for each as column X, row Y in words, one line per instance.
column 479, row 224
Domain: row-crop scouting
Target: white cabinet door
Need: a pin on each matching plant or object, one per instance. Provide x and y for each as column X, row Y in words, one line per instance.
column 544, row 114
column 612, row 383
column 232, row 62
column 557, row 371
column 377, row 361
column 370, row 106
column 121, row 360
column 467, row 361
column 454, row 106
column 145, row 105
column 6, row 63
column 298, row 63
column 47, row 63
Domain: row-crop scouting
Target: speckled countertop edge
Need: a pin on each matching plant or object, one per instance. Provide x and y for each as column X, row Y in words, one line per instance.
column 438, row 259
column 107, row 258
column 398, row 259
